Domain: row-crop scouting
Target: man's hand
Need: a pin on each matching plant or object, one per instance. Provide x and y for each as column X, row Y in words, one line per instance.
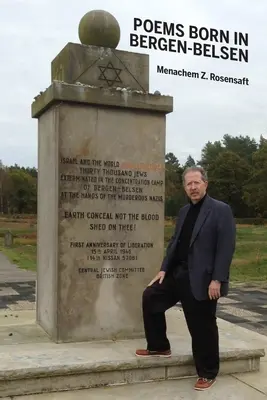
column 160, row 276
column 214, row 290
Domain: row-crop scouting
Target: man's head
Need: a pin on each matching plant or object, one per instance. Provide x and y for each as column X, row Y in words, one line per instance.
column 195, row 183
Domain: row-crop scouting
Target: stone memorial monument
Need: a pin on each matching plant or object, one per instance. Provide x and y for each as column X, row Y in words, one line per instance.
column 101, row 151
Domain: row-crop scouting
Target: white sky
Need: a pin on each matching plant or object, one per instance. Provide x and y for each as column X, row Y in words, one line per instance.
column 34, row 31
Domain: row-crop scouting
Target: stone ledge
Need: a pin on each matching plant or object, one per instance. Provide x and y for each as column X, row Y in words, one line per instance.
column 47, row 367
column 117, row 365
column 84, row 94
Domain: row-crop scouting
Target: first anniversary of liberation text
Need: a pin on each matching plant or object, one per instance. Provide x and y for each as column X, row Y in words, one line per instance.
column 203, row 75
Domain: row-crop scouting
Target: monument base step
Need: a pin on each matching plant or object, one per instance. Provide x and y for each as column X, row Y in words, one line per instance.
column 227, row 387
column 48, row 367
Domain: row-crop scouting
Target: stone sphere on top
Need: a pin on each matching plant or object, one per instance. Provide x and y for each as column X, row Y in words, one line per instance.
column 99, row 28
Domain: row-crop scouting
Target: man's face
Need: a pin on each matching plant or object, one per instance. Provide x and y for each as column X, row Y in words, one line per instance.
column 194, row 186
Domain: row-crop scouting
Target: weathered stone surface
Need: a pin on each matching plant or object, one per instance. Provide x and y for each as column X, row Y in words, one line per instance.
column 27, row 369
column 100, row 66
column 21, row 333
column 47, row 228
column 101, row 219
column 99, row 28
column 258, row 380
column 47, row 366
column 84, row 94
column 226, row 387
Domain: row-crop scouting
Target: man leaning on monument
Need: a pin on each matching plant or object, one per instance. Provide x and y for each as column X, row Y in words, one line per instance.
column 195, row 271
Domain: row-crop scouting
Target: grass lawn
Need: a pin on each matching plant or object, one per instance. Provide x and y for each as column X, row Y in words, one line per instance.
column 249, row 264
column 250, row 259
column 23, row 251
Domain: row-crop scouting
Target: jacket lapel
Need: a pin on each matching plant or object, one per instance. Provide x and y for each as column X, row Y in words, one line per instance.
column 203, row 213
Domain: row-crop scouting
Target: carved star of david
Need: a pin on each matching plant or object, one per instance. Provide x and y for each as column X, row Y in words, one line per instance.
column 110, row 74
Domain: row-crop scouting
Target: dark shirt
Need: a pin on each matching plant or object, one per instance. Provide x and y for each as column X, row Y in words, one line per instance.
column 182, row 249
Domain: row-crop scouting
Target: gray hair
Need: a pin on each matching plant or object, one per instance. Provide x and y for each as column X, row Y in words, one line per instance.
column 204, row 175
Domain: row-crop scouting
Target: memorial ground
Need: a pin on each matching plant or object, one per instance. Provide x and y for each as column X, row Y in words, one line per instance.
column 245, row 305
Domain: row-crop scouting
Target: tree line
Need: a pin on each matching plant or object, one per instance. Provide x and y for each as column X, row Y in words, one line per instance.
column 236, row 167
column 18, row 190
column 237, row 174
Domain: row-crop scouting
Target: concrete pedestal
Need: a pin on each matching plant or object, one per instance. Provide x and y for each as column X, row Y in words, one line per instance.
column 100, row 209
column 31, row 363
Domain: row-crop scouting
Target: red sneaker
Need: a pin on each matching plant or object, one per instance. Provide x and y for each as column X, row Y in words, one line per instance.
column 147, row 353
column 204, row 383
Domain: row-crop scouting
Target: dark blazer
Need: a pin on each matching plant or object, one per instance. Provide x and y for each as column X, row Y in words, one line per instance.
column 211, row 248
